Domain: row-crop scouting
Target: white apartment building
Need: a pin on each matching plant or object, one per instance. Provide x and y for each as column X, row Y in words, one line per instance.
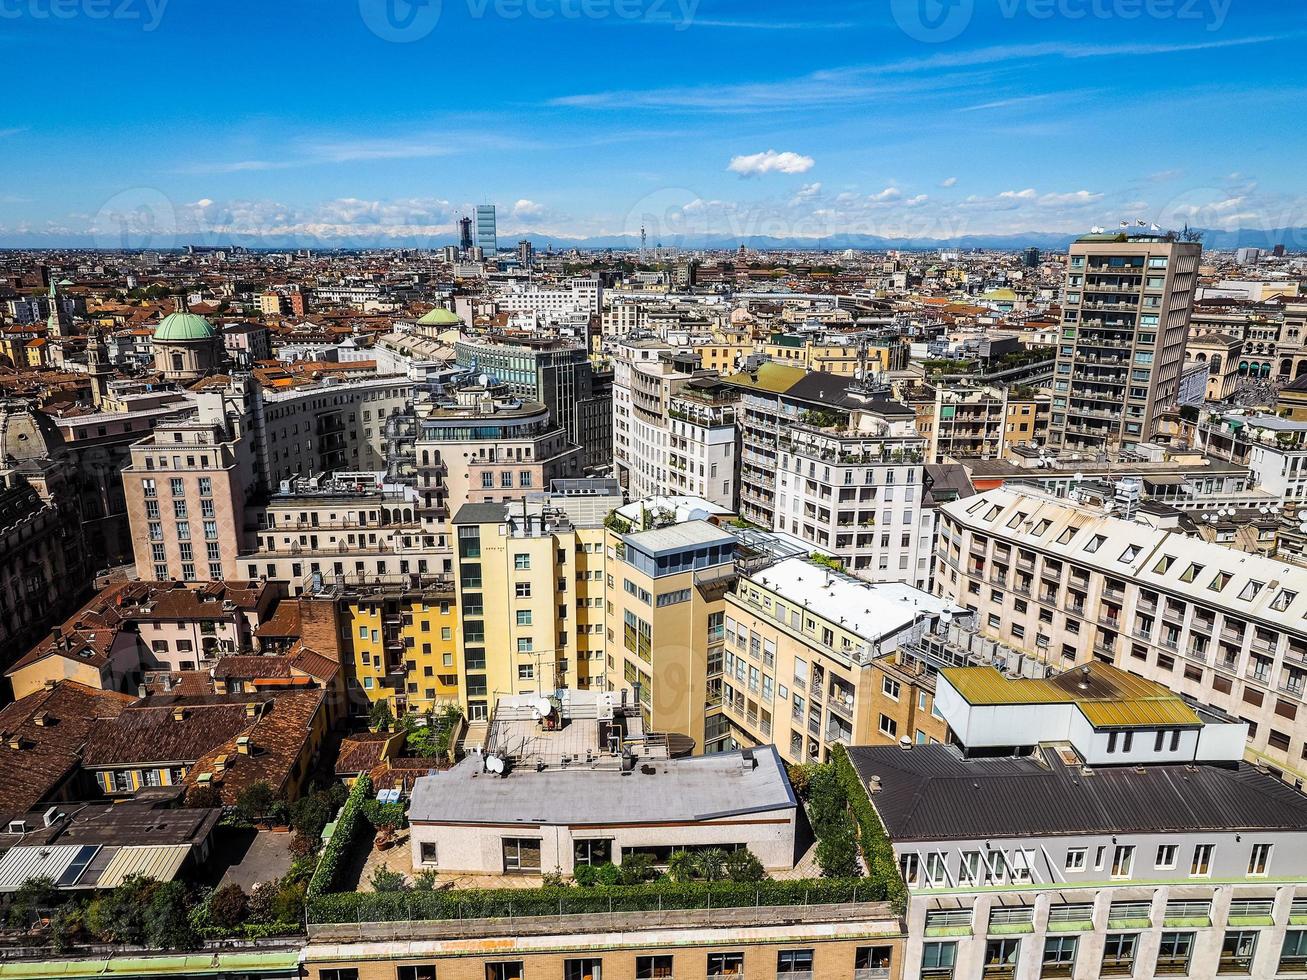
column 1071, row 584
column 584, row 296
column 1128, row 842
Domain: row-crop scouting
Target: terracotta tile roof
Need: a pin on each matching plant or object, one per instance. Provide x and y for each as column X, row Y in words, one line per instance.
column 51, row 726
column 150, row 731
column 250, row 667
column 277, row 738
column 361, row 753
column 284, row 621
column 313, row 663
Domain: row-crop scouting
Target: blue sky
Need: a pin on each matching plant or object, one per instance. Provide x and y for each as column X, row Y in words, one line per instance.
column 322, row 121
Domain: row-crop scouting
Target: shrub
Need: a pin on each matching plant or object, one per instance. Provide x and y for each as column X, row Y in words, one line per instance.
column 33, row 898
column 742, row 865
column 636, row 869
column 167, row 918
column 302, row 845
column 380, row 717
column 255, row 802
column 425, row 881
column 335, row 856
column 877, row 849
column 203, row 796
column 310, row 814
column 228, row 906
column 262, row 902
column 119, row 915
column 385, row 880
column 837, row 854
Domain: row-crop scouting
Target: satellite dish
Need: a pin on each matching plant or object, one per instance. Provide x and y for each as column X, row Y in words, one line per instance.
column 494, row 764
column 543, row 707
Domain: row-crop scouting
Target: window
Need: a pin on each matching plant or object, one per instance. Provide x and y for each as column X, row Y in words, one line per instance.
column 526, row 672
column 1001, row 957
column 1075, row 859
column 725, row 964
column 339, row 975
column 524, row 617
column 428, row 852
column 1174, row 953
column 1165, row 857
column 1293, row 954
column 793, row 961
column 1259, row 860
column 891, row 688
column 505, row 971
column 521, row 855
column 522, row 562
column 1123, row 861
column 589, row 968
column 1059, row 956
column 937, row 960
column 1237, row 952
column 522, row 590
column 426, row 971
column 889, row 727
column 1119, row 954
column 653, row 968
column 1201, row 867
column 874, row 961
column 596, row 851
column 910, row 866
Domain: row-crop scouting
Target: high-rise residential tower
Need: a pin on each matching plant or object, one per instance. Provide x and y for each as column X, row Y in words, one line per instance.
column 1127, row 304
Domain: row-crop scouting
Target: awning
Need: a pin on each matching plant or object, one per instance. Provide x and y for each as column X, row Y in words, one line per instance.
column 158, row 861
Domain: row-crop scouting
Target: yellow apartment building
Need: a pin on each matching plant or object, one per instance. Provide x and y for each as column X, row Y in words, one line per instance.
column 805, row 661
column 531, row 594
column 666, row 591
column 400, row 639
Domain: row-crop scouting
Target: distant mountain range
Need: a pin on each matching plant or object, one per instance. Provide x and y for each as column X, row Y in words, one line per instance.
column 1294, row 239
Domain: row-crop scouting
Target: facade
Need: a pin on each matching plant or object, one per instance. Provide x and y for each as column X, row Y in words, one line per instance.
column 558, row 374
column 1091, row 825
column 809, row 660
column 1126, row 313
column 531, row 597
column 1069, row 584
column 487, row 238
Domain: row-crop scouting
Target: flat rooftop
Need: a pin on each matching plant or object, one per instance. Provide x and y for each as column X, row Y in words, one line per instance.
column 929, row 792
column 699, row 788
column 869, row 609
column 678, row 537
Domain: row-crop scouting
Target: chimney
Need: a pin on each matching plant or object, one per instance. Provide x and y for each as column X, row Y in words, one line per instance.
column 49, row 684
column 16, row 742
column 220, row 763
column 873, row 785
column 42, row 719
column 179, row 713
column 244, row 746
column 252, row 709
column 54, row 635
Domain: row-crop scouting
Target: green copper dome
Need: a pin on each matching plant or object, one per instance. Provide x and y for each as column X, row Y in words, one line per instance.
column 441, row 317
column 184, row 326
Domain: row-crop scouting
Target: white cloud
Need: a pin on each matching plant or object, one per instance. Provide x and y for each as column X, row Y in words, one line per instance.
column 1029, row 194
column 756, row 164
column 948, row 182
column 527, row 210
column 1075, row 197
column 807, row 192
column 888, row 194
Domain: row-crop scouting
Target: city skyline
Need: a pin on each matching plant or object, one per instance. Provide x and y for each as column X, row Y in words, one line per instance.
column 380, row 123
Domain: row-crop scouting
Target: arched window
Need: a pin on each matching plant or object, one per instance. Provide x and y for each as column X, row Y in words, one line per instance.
column 177, row 363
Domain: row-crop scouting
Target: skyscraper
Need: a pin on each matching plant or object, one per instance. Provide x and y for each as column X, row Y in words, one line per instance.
column 1127, row 304
column 465, row 233
column 487, row 238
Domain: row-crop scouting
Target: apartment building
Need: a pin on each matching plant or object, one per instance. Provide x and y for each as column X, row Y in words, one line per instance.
column 483, row 444
column 1070, row 584
column 666, row 594
column 965, row 422
column 810, row 660
column 1090, row 825
column 531, row 591
column 348, row 525
column 398, row 640
column 1126, row 309
column 555, row 372
column 836, row 465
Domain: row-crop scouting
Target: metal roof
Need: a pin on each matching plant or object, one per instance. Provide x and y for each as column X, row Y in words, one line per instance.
column 158, row 861
column 1108, row 697
column 24, row 862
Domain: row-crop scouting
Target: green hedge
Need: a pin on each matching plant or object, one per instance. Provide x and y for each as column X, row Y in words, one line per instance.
column 336, row 855
column 877, row 850
column 652, row 897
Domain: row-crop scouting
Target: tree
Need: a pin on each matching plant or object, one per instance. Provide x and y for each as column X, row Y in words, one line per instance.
column 380, row 717
column 310, row 814
column 742, row 865
column 167, row 918
column 203, row 796
column 255, row 801
column 228, row 906
column 385, row 880
column 636, row 869
column 120, row 916
column 33, row 898
column 837, row 854
column 710, row 864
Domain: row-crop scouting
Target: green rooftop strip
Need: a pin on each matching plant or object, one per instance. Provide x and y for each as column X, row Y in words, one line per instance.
column 660, row 896
column 194, row 964
column 1075, row 925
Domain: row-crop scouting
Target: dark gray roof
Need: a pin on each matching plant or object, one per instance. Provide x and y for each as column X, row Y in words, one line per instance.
column 929, row 792
column 825, row 388
column 481, row 513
